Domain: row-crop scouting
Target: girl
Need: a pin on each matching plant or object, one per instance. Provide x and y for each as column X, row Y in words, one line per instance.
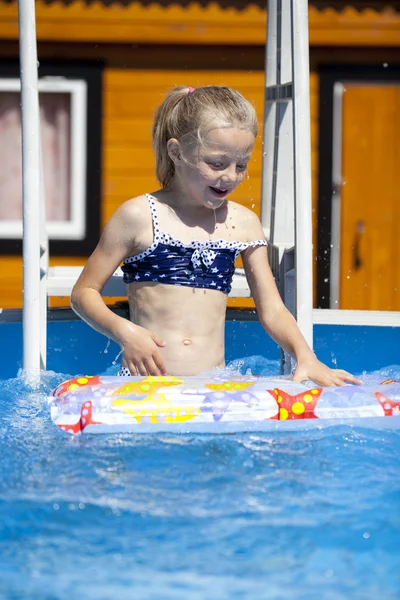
column 178, row 246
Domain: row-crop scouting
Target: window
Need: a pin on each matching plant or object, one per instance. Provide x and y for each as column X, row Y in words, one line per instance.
column 71, row 140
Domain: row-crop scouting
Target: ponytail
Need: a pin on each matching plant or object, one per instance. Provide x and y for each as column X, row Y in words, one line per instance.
column 164, row 129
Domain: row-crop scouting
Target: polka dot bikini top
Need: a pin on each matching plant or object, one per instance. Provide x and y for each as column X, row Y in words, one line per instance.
column 208, row 264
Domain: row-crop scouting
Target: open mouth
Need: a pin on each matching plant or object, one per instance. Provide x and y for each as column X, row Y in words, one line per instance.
column 218, row 192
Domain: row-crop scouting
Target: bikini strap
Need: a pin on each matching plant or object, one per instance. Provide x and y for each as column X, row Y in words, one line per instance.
column 154, row 216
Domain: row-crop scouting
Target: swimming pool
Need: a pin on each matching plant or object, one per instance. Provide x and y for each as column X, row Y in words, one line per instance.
column 246, row 516
column 356, row 348
column 243, row 516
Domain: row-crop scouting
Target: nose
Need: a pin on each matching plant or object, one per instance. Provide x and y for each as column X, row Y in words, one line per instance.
column 230, row 174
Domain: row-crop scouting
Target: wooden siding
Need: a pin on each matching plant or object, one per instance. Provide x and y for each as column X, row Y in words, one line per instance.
column 194, row 24
column 130, row 97
column 80, row 30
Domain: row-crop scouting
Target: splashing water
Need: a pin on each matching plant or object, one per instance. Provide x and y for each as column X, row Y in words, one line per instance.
column 300, row 515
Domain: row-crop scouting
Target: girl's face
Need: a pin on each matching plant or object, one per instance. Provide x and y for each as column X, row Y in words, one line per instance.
column 211, row 171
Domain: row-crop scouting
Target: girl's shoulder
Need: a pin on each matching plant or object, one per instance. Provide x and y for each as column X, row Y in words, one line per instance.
column 136, row 203
column 246, row 221
column 240, row 210
column 133, row 210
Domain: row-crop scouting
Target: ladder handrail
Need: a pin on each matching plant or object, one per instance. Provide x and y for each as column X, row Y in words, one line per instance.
column 30, row 191
column 302, row 168
column 286, row 211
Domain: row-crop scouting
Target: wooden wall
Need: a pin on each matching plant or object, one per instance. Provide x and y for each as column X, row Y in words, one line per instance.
column 130, row 97
column 136, row 77
column 200, row 23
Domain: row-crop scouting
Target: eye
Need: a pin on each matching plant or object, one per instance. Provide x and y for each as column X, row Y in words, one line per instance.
column 215, row 165
column 241, row 167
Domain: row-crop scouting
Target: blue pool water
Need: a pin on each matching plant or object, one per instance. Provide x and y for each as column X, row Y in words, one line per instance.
column 350, row 347
column 246, row 516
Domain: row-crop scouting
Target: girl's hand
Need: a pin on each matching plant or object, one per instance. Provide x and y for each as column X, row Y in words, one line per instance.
column 140, row 349
column 315, row 370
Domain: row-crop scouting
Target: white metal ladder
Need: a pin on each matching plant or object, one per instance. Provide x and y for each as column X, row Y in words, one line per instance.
column 286, row 189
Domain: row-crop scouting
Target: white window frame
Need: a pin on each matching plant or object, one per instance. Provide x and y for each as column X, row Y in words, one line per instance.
column 75, row 227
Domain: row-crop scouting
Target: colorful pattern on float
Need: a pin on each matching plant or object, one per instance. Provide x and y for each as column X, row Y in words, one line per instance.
column 99, row 404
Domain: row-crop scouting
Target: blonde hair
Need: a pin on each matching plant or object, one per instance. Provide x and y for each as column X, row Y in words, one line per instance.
column 192, row 112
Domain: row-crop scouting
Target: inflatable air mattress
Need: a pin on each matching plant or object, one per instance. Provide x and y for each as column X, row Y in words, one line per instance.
column 216, row 405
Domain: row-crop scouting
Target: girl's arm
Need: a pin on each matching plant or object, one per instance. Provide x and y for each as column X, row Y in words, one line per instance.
column 277, row 321
column 140, row 346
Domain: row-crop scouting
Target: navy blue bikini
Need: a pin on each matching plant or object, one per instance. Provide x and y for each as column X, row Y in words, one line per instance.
column 209, row 264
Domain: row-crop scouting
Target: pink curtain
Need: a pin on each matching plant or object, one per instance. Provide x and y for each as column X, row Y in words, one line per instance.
column 55, row 116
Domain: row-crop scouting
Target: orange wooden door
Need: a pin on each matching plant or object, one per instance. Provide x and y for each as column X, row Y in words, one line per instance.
column 370, row 198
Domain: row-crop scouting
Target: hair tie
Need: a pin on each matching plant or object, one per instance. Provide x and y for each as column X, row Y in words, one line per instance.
column 191, row 90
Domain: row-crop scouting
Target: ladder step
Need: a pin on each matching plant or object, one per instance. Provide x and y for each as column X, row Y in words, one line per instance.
column 279, row 93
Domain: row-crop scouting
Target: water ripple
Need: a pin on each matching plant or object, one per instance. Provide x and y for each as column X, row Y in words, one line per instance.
column 291, row 515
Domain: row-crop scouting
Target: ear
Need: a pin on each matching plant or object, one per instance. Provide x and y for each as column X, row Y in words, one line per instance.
column 174, row 150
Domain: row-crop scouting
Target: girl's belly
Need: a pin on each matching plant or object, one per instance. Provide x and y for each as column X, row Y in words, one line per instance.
column 190, row 321
column 191, row 357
